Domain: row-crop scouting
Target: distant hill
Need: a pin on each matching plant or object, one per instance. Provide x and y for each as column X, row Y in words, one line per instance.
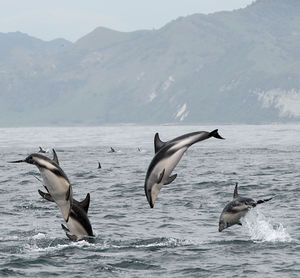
column 228, row 67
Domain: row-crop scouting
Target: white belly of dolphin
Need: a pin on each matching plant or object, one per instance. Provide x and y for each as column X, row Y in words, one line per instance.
column 58, row 188
column 168, row 163
column 76, row 228
column 233, row 218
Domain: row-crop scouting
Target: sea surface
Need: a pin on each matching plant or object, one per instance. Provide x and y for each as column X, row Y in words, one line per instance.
column 177, row 238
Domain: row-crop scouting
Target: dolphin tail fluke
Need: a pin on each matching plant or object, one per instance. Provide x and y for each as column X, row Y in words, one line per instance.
column 215, row 134
column 263, row 201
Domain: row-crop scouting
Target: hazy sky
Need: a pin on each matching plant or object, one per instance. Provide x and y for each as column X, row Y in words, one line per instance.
column 72, row 19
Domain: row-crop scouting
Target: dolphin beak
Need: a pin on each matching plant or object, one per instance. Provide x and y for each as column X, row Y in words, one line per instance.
column 17, row 161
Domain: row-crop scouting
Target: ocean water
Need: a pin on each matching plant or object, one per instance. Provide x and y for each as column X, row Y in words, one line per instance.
column 177, row 238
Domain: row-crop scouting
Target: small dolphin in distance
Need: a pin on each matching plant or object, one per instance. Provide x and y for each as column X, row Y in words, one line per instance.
column 99, row 165
column 167, row 155
column 41, row 150
column 236, row 209
column 112, row 150
column 55, row 180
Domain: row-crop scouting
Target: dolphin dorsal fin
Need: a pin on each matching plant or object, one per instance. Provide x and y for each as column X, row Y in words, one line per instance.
column 158, row 144
column 55, row 158
column 235, row 193
column 85, row 203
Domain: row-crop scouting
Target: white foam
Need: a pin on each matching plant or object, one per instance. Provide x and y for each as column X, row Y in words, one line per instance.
column 39, row 236
column 164, row 242
column 261, row 229
column 170, row 242
column 34, row 248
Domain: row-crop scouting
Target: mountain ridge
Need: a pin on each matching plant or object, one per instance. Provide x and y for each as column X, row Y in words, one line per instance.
column 228, row 67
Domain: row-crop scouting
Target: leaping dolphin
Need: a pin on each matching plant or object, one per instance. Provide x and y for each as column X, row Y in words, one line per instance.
column 236, row 209
column 79, row 226
column 167, row 155
column 55, row 180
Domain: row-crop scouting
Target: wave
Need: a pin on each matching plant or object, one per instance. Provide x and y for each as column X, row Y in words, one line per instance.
column 40, row 243
column 152, row 243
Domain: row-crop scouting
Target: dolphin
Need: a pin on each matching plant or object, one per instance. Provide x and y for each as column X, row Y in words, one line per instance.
column 112, row 150
column 99, row 165
column 167, row 155
column 55, row 180
column 41, row 150
column 78, row 224
column 236, row 209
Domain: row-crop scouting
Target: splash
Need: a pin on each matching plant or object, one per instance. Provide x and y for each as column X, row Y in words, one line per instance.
column 39, row 236
column 261, row 229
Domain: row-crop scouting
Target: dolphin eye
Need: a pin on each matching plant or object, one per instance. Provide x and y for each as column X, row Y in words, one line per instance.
column 29, row 159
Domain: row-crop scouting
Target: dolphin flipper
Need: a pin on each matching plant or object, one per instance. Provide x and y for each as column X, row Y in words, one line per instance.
column 65, row 228
column 72, row 237
column 46, row 196
column 161, row 176
column 170, row 179
column 66, row 210
column 68, row 193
